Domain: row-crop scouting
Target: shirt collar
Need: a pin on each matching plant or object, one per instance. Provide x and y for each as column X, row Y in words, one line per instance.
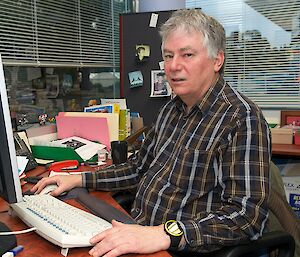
column 211, row 95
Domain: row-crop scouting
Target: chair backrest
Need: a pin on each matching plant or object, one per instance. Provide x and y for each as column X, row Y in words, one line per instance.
column 283, row 226
column 282, row 217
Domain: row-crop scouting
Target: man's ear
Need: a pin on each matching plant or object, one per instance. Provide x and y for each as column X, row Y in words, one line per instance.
column 219, row 60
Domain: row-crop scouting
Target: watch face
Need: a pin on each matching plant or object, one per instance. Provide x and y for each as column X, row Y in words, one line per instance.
column 172, row 228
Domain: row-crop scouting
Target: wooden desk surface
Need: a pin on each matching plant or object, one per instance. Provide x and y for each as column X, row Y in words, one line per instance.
column 286, row 150
column 36, row 246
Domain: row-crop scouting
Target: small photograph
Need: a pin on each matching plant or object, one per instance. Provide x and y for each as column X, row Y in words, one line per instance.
column 142, row 52
column 159, row 84
column 73, row 143
column 52, row 86
column 135, row 79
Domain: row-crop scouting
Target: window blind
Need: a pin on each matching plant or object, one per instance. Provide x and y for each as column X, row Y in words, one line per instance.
column 263, row 48
column 78, row 33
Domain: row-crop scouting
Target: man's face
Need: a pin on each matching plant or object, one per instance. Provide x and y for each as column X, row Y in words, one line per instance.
column 188, row 68
column 160, row 79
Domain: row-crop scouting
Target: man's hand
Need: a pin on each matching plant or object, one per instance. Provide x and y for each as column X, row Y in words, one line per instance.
column 65, row 183
column 124, row 238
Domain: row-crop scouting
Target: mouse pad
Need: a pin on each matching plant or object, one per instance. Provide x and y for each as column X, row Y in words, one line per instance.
column 73, row 193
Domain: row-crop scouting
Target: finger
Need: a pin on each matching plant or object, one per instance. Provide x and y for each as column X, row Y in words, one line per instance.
column 99, row 237
column 58, row 191
column 38, row 185
column 118, row 251
column 42, row 183
column 116, row 223
column 100, row 249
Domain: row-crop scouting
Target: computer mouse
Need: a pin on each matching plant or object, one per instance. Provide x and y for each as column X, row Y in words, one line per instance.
column 49, row 188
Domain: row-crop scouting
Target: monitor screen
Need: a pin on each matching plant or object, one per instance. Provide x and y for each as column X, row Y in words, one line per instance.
column 10, row 188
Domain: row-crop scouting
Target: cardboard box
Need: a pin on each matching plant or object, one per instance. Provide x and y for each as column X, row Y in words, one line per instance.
column 282, row 135
column 292, row 191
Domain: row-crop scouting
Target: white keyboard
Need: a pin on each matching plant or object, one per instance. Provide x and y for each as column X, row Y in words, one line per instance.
column 59, row 222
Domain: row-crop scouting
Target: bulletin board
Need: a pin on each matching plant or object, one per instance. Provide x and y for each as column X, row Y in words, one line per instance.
column 135, row 31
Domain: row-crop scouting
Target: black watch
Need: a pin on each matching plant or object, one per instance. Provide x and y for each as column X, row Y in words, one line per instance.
column 173, row 229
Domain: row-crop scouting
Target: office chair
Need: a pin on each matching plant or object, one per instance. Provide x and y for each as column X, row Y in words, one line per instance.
column 132, row 140
column 283, row 227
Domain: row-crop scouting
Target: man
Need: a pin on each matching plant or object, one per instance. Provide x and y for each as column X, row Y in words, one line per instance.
column 141, row 53
column 203, row 168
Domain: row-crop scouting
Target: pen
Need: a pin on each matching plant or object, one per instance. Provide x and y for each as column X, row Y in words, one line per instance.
column 90, row 163
column 14, row 251
column 17, row 249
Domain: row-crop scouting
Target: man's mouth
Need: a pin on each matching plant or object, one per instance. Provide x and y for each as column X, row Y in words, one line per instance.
column 177, row 79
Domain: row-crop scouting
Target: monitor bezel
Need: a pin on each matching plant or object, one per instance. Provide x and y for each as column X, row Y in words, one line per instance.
column 9, row 175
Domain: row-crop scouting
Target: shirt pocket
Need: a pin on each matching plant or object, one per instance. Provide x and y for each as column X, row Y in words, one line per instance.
column 193, row 171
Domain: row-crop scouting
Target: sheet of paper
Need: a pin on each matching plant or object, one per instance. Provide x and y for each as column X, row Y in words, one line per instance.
column 161, row 65
column 120, row 102
column 84, row 148
column 112, row 121
column 153, row 20
column 22, row 162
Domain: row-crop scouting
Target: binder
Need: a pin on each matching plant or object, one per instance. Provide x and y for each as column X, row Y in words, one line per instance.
column 57, row 153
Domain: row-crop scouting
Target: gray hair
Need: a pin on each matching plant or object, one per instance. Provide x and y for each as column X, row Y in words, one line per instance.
column 190, row 20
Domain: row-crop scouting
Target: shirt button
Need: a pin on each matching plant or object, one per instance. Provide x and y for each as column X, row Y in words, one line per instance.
column 144, row 185
column 137, row 210
column 193, row 243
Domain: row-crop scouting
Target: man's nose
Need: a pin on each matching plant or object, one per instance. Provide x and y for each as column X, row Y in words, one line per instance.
column 176, row 63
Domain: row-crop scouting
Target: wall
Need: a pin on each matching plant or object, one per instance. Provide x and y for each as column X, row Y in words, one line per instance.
column 160, row 5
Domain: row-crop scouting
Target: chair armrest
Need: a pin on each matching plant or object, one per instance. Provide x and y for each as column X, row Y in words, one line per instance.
column 125, row 199
column 270, row 241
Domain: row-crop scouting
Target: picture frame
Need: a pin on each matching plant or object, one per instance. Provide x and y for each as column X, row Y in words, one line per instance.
column 290, row 117
column 159, row 84
column 52, row 86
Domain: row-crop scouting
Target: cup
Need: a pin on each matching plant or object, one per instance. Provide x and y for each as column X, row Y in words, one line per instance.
column 119, row 151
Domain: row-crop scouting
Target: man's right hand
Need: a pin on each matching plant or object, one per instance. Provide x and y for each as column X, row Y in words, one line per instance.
column 65, row 183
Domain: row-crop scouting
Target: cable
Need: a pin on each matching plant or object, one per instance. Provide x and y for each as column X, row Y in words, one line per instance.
column 17, row 232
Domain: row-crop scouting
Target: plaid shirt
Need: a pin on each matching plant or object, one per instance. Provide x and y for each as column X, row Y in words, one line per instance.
column 208, row 169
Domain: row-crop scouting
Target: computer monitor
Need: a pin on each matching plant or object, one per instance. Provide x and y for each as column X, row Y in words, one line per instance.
column 10, row 187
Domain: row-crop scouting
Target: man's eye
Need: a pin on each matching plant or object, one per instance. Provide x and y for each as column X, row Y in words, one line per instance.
column 188, row 55
column 168, row 56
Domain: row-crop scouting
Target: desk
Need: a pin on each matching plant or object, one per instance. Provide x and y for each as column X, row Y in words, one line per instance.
column 36, row 246
column 286, row 150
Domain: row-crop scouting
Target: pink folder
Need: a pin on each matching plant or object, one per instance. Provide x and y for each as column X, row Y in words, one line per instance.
column 90, row 128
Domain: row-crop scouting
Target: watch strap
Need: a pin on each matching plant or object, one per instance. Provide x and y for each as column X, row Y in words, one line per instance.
column 174, row 230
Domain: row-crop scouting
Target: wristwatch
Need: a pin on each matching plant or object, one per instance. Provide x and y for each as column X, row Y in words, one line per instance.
column 173, row 229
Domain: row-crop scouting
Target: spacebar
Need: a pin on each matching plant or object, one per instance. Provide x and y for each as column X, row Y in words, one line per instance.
column 102, row 209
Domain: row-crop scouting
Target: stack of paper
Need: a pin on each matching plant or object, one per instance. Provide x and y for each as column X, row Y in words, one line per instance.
column 90, row 128
column 112, row 121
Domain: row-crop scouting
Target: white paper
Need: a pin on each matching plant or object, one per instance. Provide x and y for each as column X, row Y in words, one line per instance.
column 22, row 162
column 161, row 65
column 119, row 101
column 153, row 20
column 86, row 151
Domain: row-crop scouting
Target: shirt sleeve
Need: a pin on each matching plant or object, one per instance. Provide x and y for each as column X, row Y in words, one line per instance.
column 243, row 174
column 123, row 176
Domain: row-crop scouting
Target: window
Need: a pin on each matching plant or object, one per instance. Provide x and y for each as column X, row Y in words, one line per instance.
column 58, row 55
column 263, row 48
column 60, row 33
